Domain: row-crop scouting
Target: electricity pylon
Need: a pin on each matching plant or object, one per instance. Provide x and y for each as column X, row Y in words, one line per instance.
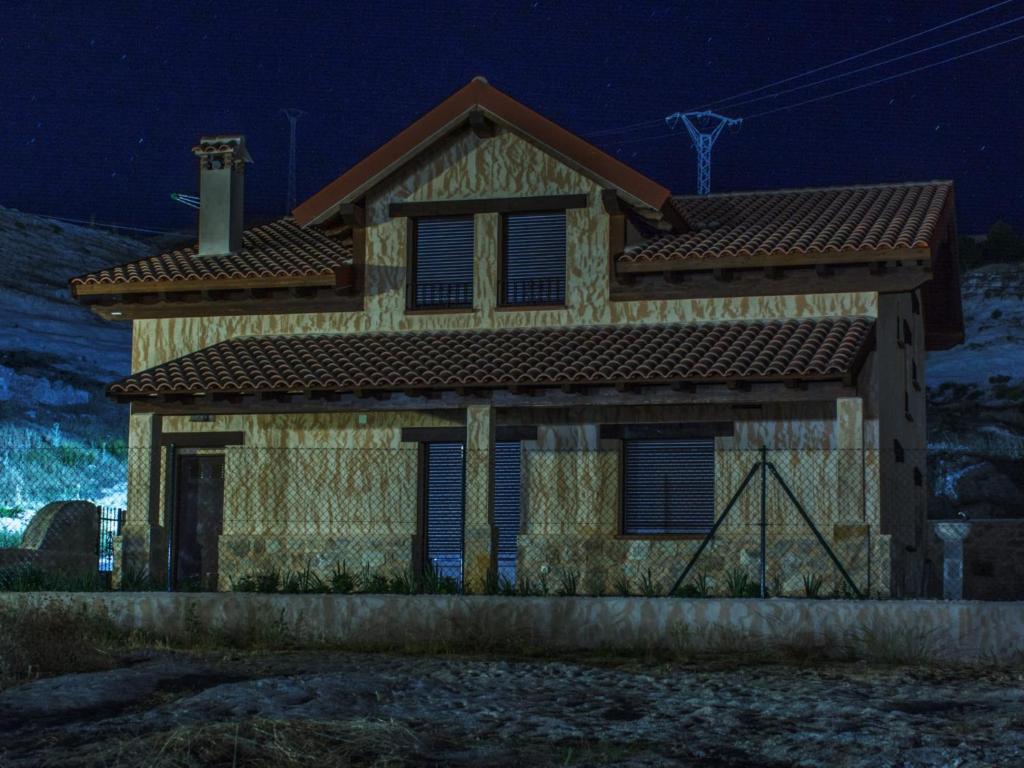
column 293, row 116
column 702, row 141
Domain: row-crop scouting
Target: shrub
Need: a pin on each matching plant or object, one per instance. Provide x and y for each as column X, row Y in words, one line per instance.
column 699, row 587
column 342, row 582
column 813, row 585
column 303, row 582
column 739, row 584
column 568, row 580
column 648, row 586
column 622, row 586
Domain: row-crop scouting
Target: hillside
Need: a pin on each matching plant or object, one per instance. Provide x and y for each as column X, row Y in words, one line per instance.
column 55, row 359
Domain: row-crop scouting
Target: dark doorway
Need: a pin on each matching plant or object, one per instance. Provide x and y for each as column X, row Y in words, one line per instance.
column 198, row 520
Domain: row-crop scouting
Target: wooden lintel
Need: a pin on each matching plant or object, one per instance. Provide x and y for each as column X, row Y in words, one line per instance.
column 626, row 388
column 481, row 125
column 381, row 394
column 739, row 385
column 487, row 205
column 773, row 273
column 301, row 292
column 722, row 275
column 683, row 386
column 824, row 270
column 795, row 384
column 521, row 390
column 257, row 294
column 878, row 267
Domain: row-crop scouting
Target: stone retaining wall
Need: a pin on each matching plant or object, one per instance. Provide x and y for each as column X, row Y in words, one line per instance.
column 956, row 632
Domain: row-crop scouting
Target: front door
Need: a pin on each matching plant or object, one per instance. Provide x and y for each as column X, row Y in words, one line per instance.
column 198, row 518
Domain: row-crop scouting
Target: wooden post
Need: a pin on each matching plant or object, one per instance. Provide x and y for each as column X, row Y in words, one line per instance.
column 480, row 543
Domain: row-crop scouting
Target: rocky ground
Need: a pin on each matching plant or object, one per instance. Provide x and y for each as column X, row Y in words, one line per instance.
column 344, row 709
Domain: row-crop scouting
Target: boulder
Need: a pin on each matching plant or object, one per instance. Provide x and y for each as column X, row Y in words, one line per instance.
column 64, row 526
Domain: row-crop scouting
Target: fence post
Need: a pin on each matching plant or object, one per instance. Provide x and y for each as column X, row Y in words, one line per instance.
column 764, row 521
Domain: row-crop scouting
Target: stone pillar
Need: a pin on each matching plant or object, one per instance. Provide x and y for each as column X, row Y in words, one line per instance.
column 480, row 547
column 952, row 533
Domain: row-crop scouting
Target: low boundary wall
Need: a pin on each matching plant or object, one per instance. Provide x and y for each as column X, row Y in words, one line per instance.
column 954, row 632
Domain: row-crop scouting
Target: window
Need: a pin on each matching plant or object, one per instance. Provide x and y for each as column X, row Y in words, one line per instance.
column 444, row 507
column 507, row 501
column 668, row 486
column 442, row 263
column 533, row 259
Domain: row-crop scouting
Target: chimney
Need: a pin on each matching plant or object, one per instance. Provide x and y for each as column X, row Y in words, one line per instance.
column 222, row 162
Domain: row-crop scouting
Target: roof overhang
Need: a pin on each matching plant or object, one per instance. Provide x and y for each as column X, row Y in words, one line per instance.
column 465, row 104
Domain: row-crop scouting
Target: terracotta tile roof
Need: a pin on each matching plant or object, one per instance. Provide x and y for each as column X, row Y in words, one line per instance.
column 643, row 354
column 280, row 249
column 803, row 222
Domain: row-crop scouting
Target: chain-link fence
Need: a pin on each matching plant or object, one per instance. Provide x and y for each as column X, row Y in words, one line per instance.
column 654, row 517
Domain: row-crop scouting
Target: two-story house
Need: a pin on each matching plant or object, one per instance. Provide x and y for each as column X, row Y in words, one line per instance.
column 492, row 347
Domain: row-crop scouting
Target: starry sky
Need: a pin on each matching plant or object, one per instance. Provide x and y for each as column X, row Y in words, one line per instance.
column 100, row 102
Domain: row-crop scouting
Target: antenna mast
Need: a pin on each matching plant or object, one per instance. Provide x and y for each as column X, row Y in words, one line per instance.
column 703, row 141
column 293, row 116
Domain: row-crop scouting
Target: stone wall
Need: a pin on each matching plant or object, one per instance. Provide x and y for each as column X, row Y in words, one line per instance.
column 928, row 631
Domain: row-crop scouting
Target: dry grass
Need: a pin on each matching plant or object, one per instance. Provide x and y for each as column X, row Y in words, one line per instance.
column 34, row 643
column 261, row 743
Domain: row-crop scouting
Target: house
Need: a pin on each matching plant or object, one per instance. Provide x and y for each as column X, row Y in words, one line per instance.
column 491, row 347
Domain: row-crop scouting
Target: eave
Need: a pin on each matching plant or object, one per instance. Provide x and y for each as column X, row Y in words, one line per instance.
column 466, row 106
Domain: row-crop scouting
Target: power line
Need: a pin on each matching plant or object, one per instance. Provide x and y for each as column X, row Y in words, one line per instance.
column 622, row 128
column 878, row 64
column 859, row 55
column 106, row 226
column 886, row 79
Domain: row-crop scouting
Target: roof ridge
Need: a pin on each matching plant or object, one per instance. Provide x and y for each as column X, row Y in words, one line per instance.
column 835, row 187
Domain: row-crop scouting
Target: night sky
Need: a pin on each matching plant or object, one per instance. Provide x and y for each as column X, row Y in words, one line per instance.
column 100, row 102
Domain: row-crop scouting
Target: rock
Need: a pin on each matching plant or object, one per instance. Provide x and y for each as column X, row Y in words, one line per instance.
column 65, row 526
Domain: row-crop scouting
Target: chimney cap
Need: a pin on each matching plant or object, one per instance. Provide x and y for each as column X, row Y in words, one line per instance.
column 223, row 144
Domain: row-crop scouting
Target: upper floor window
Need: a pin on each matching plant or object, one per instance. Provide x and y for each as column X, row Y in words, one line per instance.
column 533, row 259
column 442, row 263
column 668, row 486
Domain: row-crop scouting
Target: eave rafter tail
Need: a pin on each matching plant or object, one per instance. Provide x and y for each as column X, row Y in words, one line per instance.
column 821, row 261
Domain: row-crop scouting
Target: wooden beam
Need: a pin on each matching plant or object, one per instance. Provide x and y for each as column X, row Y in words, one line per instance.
column 488, row 205
column 722, row 275
column 795, row 281
column 675, row 219
column 202, row 439
column 612, row 203
column 766, row 392
column 773, row 273
column 785, row 260
column 481, row 125
column 353, row 214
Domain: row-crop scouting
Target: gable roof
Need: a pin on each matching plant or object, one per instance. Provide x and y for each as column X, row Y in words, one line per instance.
column 828, row 348
column 279, row 253
column 796, row 226
column 453, row 111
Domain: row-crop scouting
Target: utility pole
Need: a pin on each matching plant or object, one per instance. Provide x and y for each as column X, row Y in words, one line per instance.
column 703, row 141
column 293, row 116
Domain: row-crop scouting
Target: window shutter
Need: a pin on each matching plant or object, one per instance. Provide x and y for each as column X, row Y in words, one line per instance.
column 507, row 501
column 534, row 259
column 669, row 486
column 444, row 262
column 444, row 501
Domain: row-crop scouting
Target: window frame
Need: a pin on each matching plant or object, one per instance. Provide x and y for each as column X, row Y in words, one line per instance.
column 622, row 533
column 501, row 302
column 412, row 262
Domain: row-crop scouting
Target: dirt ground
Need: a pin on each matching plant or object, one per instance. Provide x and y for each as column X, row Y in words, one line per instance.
column 325, row 709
